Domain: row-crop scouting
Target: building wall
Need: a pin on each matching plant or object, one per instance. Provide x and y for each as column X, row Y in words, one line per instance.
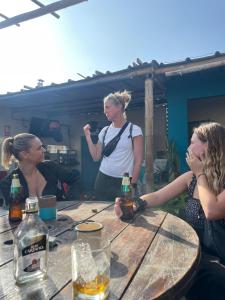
column 192, row 88
column 209, row 109
column 20, row 122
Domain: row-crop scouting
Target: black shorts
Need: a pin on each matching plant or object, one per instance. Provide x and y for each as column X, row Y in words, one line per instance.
column 210, row 280
column 107, row 188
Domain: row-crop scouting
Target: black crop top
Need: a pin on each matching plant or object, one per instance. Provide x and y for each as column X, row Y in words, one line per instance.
column 53, row 174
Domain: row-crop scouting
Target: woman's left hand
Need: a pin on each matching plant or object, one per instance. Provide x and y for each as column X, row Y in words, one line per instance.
column 195, row 163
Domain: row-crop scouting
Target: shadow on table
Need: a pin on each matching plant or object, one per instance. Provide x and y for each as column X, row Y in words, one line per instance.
column 117, row 269
column 38, row 290
column 154, row 228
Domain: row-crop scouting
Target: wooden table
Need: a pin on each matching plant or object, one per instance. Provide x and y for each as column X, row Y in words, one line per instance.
column 153, row 257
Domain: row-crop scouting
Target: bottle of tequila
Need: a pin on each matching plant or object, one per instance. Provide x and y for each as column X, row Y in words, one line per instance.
column 31, row 246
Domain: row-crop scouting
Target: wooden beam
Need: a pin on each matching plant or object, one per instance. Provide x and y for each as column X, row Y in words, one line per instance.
column 195, row 68
column 6, row 18
column 42, row 5
column 87, row 104
column 39, row 12
column 149, row 123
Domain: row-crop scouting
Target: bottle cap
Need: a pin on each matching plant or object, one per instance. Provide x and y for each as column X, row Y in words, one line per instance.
column 32, row 204
column 126, row 174
column 126, row 179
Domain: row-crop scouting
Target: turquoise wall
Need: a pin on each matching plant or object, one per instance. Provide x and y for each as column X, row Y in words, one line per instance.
column 180, row 89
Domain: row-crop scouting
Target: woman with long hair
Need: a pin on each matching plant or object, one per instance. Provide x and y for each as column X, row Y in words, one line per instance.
column 205, row 206
column 37, row 176
column 126, row 156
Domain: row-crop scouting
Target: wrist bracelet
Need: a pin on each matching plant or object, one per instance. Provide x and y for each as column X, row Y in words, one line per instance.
column 200, row 175
column 140, row 204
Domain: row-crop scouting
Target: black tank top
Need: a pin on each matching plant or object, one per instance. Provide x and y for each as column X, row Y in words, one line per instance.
column 211, row 233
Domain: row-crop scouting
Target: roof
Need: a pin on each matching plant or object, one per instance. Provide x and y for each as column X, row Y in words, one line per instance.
column 87, row 94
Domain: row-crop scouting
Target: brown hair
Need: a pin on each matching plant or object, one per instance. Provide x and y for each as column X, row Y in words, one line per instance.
column 12, row 146
column 214, row 161
column 119, row 98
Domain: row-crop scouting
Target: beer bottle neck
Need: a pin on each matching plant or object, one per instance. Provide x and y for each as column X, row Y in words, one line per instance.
column 126, row 188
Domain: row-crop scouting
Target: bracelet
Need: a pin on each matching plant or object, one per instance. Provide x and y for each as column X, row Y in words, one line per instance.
column 199, row 176
column 140, row 204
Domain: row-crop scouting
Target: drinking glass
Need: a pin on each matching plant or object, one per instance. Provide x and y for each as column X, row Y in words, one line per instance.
column 91, row 268
column 89, row 229
column 47, row 207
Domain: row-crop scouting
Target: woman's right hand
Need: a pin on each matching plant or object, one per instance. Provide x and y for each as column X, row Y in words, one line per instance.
column 117, row 208
column 86, row 129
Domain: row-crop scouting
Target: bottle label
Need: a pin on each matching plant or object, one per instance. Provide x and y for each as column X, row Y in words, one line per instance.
column 126, row 181
column 125, row 188
column 15, row 190
column 32, row 254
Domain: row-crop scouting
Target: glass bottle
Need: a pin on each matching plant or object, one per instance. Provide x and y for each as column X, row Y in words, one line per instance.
column 15, row 205
column 126, row 198
column 31, row 244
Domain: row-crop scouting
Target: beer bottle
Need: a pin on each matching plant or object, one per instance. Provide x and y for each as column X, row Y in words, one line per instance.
column 15, row 205
column 126, row 199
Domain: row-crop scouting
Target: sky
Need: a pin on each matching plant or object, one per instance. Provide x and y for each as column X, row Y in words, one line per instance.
column 105, row 35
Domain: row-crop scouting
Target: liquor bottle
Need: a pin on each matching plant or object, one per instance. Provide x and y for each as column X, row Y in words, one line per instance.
column 15, row 205
column 31, row 244
column 126, row 199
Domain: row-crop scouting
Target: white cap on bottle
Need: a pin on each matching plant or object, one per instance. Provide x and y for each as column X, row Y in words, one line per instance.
column 32, row 204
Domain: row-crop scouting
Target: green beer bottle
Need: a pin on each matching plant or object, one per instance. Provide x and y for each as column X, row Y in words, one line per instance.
column 126, row 198
column 15, row 205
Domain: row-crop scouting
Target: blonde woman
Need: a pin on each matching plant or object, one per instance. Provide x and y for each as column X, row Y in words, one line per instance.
column 127, row 154
column 205, row 207
column 37, row 176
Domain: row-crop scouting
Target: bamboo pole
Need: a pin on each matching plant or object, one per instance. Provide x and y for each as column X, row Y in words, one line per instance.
column 149, row 118
column 42, row 5
column 6, row 18
column 39, row 12
column 195, row 68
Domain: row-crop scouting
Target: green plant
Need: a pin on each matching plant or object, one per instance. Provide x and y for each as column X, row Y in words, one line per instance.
column 173, row 160
column 176, row 205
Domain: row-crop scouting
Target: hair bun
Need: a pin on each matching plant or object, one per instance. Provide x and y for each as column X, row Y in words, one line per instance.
column 126, row 95
column 11, row 140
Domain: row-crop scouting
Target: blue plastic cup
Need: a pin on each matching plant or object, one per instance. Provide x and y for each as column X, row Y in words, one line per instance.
column 47, row 207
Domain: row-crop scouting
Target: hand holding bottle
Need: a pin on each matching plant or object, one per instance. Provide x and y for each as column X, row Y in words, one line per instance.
column 117, row 207
column 138, row 205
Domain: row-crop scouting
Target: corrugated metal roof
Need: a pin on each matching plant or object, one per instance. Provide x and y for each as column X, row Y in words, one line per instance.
column 88, row 92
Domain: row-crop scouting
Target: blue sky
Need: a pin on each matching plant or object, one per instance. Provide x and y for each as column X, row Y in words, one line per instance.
column 105, row 35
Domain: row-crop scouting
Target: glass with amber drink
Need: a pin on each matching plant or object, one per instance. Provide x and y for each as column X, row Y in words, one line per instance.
column 91, row 268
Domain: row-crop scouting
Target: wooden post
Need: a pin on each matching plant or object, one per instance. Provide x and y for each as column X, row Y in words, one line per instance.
column 149, row 118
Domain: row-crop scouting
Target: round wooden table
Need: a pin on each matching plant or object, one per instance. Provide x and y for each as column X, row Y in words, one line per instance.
column 155, row 256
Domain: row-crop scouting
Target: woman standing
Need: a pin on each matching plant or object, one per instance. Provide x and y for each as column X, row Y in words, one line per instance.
column 127, row 155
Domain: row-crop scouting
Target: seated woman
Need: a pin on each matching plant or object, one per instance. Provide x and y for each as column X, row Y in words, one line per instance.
column 205, row 207
column 38, row 177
